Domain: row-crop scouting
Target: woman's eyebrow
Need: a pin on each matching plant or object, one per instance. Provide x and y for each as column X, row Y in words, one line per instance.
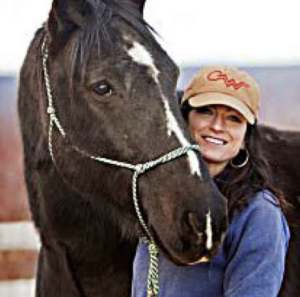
column 229, row 109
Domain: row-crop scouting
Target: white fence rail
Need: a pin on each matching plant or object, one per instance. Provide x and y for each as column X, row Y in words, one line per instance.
column 19, row 235
column 20, row 288
column 14, row 237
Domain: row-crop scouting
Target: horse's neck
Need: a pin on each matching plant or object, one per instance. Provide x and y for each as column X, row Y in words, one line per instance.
column 65, row 272
column 87, row 240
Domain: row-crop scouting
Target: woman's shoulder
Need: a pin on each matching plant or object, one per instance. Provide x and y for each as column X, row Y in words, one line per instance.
column 264, row 210
column 261, row 220
column 262, row 202
column 265, row 197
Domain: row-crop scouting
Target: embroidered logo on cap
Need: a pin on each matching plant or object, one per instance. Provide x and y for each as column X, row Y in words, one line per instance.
column 219, row 75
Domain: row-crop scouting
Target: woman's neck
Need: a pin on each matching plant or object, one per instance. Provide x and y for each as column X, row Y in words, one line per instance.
column 215, row 168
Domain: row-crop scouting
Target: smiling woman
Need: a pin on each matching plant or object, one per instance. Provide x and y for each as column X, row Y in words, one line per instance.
column 221, row 106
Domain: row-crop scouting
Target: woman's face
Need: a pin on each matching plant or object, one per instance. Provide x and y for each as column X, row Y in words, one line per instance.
column 219, row 131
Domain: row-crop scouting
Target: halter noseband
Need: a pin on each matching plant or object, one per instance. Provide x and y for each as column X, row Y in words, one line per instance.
column 153, row 285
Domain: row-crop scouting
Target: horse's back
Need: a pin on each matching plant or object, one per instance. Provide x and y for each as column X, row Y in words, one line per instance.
column 282, row 151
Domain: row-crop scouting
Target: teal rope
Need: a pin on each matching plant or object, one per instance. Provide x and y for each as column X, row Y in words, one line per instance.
column 153, row 276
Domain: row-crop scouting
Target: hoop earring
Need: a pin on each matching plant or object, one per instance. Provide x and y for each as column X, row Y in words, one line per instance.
column 242, row 159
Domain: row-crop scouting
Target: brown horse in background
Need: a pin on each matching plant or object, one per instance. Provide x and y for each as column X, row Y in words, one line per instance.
column 282, row 149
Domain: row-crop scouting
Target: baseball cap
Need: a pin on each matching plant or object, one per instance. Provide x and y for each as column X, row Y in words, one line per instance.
column 227, row 86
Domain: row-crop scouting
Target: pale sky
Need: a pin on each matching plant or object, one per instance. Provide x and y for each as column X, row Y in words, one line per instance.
column 256, row 32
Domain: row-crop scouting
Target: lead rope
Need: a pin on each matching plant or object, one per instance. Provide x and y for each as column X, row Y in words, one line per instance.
column 153, row 273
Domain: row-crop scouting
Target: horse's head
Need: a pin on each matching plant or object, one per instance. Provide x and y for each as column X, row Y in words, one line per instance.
column 114, row 93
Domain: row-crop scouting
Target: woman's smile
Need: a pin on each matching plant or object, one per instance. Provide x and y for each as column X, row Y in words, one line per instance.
column 214, row 140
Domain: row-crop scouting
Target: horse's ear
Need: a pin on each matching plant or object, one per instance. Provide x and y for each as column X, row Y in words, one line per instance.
column 139, row 5
column 66, row 16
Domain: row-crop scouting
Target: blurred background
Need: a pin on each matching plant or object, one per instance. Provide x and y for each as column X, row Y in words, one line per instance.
column 261, row 37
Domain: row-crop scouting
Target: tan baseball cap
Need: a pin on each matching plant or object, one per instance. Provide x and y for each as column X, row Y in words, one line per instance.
column 227, row 86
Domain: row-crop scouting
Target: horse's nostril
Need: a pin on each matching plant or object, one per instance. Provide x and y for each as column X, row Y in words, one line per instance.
column 195, row 227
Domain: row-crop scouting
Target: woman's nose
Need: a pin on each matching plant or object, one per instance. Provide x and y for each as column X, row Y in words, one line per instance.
column 217, row 123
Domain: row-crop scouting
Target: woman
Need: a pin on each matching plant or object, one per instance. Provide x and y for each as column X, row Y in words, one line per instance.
column 221, row 108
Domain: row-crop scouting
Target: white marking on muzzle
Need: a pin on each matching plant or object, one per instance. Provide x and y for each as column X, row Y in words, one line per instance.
column 202, row 260
column 208, row 231
column 140, row 55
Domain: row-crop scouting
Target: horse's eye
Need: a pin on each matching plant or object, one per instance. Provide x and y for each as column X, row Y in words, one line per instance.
column 103, row 88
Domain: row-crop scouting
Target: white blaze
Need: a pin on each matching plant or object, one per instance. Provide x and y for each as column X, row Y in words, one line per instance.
column 173, row 127
column 208, row 231
column 140, row 55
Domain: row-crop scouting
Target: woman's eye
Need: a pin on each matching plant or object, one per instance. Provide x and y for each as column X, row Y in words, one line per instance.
column 204, row 110
column 103, row 88
column 234, row 118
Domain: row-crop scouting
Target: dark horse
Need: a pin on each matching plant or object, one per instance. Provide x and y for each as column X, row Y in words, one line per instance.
column 282, row 150
column 106, row 88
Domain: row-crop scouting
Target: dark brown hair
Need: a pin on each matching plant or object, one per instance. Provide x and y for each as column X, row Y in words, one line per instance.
column 239, row 185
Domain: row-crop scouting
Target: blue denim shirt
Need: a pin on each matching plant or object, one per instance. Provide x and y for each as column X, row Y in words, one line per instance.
column 250, row 262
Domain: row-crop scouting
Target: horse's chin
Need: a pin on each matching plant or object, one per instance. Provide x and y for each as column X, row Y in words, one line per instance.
column 188, row 257
column 184, row 259
column 202, row 260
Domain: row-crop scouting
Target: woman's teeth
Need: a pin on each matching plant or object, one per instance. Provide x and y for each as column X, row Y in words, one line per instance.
column 214, row 140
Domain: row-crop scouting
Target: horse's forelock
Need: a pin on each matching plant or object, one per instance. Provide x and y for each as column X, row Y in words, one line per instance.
column 96, row 32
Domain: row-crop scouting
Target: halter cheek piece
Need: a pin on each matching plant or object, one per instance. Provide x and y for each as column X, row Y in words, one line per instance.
column 153, row 284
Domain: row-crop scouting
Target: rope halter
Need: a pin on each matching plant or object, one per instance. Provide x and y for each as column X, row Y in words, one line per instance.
column 139, row 169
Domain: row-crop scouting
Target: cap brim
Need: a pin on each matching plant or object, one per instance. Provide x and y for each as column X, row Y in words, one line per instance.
column 213, row 98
